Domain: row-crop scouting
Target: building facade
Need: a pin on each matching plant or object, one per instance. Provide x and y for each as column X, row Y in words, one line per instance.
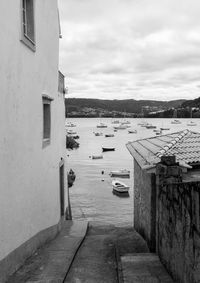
column 166, row 200
column 32, row 129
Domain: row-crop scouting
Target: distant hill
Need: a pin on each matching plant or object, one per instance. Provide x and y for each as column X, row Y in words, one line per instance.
column 127, row 105
column 191, row 103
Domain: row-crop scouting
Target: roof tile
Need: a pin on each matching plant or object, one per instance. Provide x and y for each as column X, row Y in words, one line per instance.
column 185, row 145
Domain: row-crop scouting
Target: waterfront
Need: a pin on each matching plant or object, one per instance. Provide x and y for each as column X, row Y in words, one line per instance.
column 91, row 195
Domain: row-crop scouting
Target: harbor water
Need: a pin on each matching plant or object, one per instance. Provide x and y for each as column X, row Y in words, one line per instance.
column 91, row 196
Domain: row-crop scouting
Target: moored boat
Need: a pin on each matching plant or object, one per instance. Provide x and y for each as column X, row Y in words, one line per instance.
column 120, row 173
column 150, row 126
column 175, row 122
column 71, row 132
column 109, row 135
column 191, row 123
column 102, row 125
column 132, row 131
column 69, row 124
column 120, row 187
column 165, row 129
column 108, row 148
column 97, row 134
column 120, row 127
column 115, row 122
column 125, row 122
column 97, row 156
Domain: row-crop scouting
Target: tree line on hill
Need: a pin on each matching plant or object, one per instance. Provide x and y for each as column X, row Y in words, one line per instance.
column 165, row 109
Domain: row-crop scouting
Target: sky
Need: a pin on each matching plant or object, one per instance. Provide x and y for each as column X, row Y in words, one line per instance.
column 131, row 49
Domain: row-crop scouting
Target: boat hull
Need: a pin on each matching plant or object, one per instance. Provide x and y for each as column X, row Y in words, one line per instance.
column 119, row 187
column 121, row 190
column 125, row 174
column 108, row 149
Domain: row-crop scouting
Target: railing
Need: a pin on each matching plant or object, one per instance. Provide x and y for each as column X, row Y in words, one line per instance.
column 61, row 82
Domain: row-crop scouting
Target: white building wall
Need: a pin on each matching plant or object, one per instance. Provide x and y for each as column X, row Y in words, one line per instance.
column 29, row 173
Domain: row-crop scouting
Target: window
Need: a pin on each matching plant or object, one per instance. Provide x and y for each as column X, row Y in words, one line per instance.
column 28, row 32
column 46, row 120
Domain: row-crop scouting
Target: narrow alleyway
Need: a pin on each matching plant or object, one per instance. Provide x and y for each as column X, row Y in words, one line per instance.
column 93, row 253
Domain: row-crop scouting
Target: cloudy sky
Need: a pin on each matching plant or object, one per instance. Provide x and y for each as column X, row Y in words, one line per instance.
column 131, row 49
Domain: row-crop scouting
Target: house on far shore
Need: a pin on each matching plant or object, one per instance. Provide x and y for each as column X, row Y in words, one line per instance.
column 167, row 199
column 32, row 130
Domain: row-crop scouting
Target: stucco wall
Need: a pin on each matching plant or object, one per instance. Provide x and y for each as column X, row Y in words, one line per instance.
column 144, row 204
column 178, row 225
column 29, row 173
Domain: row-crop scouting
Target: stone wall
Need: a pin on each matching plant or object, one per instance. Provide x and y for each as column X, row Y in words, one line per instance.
column 145, row 204
column 178, row 224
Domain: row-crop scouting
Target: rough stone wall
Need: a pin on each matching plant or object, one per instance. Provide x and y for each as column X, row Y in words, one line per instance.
column 178, row 225
column 144, row 204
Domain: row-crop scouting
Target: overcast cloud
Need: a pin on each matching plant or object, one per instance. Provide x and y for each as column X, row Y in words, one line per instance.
column 131, row 49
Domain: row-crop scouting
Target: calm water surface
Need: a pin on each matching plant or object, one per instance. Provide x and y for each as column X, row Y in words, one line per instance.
column 91, row 195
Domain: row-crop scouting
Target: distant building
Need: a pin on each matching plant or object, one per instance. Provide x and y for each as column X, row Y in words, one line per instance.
column 167, row 199
column 32, row 133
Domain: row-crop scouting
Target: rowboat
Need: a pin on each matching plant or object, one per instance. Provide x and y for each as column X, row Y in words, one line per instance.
column 109, row 135
column 120, row 173
column 105, row 148
column 98, row 134
column 132, row 131
column 102, row 125
column 97, row 156
column 71, row 132
column 150, row 127
column 191, row 123
column 115, row 122
column 120, row 127
column 125, row 122
column 120, row 187
column 165, row 129
column 69, row 124
column 175, row 122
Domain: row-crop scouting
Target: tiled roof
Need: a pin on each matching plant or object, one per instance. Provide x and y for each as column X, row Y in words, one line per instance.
column 185, row 145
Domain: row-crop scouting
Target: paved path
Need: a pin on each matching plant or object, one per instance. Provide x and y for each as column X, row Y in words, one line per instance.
column 97, row 260
column 51, row 263
column 108, row 254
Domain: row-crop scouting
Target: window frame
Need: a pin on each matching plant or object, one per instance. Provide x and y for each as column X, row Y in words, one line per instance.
column 24, row 37
column 46, row 100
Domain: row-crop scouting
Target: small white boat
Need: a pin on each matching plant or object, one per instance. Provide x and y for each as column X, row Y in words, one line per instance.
column 150, row 126
column 125, row 122
column 98, row 134
column 191, row 123
column 97, row 156
column 115, row 122
column 159, row 132
column 132, row 131
column 102, row 125
column 120, row 173
column 120, row 127
column 143, row 124
column 70, row 125
column 120, row 187
column 109, row 135
column 175, row 122
column 71, row 132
